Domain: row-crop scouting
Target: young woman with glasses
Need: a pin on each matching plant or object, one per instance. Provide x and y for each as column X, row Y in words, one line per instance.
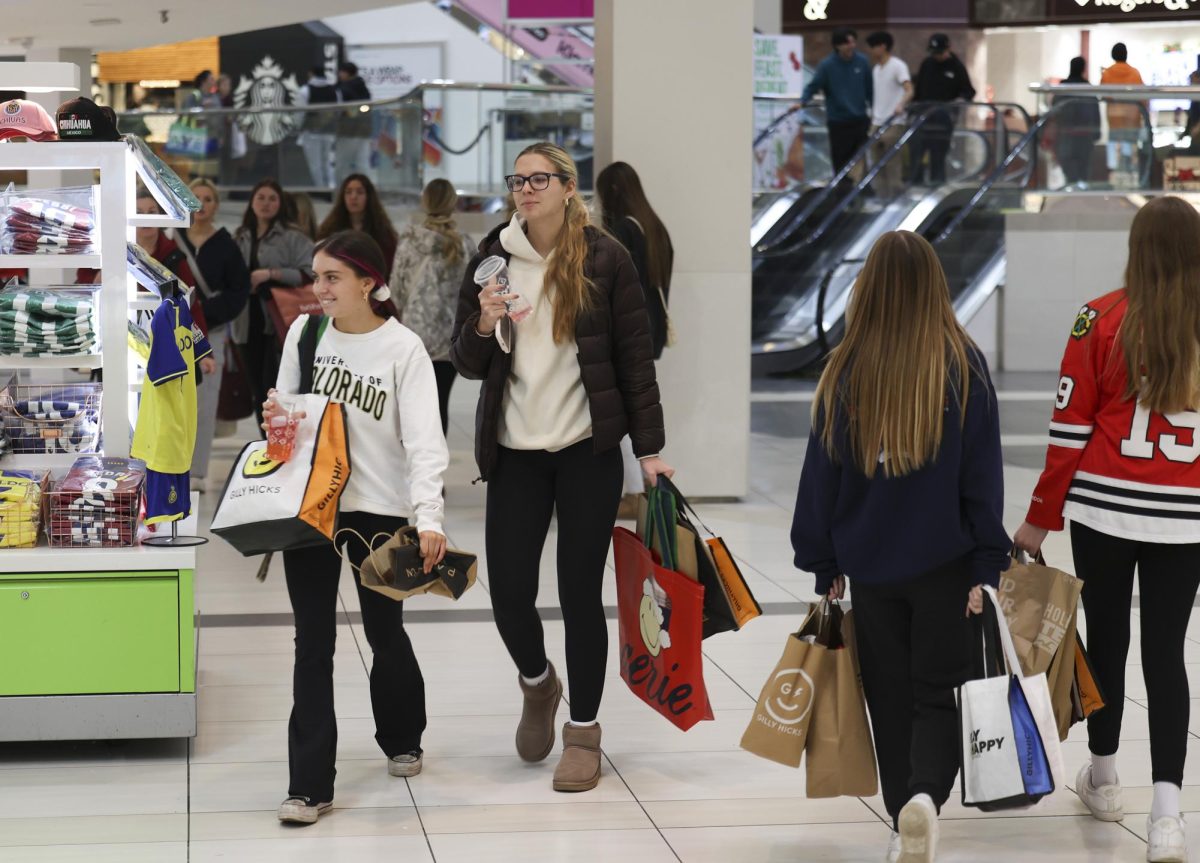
column 577, row 375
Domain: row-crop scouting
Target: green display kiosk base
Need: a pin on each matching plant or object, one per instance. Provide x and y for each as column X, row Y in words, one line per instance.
column 97, row 643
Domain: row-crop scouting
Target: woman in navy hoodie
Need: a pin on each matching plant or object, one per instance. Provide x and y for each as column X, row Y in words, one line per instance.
column 902, row 492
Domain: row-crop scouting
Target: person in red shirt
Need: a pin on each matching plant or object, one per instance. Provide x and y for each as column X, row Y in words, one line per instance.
column 1124, row 466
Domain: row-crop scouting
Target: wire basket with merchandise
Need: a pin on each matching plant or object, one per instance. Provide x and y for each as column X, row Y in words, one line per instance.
column 22, row 498
column 97, row 504
column 40, row 419
column 55, row 321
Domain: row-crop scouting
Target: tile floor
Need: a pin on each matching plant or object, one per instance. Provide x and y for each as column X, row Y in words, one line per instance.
column 665, row 795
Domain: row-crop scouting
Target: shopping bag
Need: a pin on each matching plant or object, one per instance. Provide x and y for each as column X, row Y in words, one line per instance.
column 284, row 305
column 839, row 754
column 659, row 623
column 274, row 506
column 394, row 568
column 779, row 727
column 236, row 398
column 1091, row 696
column 1039, row 602
column 1009, row 751
column 1060, row 679
column 186, row 137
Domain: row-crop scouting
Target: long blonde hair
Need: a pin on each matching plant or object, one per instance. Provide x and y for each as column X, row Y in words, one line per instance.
column 1160, row 333
column 888, row 379
column 439, row 199
column 572, row 289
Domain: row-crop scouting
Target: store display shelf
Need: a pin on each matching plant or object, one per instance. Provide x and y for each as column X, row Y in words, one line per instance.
column 145, row 302
column 157, row 220
column 48, row 262
column 87, row 361
column 57, row 463
column 95, row 560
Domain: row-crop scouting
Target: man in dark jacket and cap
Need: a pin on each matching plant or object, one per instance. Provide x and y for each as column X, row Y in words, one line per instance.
column 354, row 128
column 941, row 78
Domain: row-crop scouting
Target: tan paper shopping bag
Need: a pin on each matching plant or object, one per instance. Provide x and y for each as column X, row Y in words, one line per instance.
column 1060, row 678
column 1039, row 603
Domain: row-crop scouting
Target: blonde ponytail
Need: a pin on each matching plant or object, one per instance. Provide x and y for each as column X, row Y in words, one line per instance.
column 439, row 199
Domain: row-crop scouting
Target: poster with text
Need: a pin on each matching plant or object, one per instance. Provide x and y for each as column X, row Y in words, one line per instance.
column 393, row 70
column 778, row 65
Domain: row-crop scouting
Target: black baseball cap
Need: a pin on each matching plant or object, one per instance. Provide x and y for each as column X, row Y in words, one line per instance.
column 938, row 43
column 83, row 120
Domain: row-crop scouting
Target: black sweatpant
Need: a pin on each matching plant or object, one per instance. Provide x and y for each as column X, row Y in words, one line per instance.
column 1168, row 576
column 914, row 645
column 584, row 489
column 845, row 138
column 260, row 354
column 934, row 140
column 445, row 373
column 397, row 688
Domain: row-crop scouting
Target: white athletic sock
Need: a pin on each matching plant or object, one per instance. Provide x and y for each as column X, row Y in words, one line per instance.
column 1104, row 770
column 539, row 680
column 590, row 724
column 928, row 799
column 1166, row 801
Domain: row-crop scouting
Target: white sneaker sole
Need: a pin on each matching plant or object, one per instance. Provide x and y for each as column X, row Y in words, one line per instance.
column 404, row 771
column 303, row 815
column 918, row 836
column 1164, row 856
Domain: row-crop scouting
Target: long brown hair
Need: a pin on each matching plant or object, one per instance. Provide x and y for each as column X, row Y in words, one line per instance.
column 888, row 379
column 375, row 217
column 621, row 195
column 565, row 274
column 250, row 221
column 439, row 200
column 1160, row 333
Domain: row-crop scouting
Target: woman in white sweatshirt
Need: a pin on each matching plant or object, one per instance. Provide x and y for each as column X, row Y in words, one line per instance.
column 382, row 374
column 576, row 377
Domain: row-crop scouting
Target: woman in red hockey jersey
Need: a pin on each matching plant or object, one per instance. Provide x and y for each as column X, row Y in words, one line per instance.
column 1124, row 466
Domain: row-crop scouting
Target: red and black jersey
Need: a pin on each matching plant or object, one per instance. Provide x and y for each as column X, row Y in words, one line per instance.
column 1112, row 464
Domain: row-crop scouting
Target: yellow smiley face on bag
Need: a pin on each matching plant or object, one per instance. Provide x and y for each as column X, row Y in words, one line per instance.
column 258, row 465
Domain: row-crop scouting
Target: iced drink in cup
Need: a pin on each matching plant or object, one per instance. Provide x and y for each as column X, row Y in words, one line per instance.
column 281, row 433
column 493, row 271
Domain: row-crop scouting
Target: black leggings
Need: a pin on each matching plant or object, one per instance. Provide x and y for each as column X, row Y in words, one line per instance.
column 397, row 689
column 1168, row 576
column 445, row 373
column 525, row 488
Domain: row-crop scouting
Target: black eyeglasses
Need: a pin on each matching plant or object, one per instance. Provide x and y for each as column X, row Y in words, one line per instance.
column 538, row 182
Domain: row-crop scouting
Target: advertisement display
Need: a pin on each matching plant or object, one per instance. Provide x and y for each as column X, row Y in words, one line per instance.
column 573, row 10
column 391, row 71
column 542, row 43
column 778, row 65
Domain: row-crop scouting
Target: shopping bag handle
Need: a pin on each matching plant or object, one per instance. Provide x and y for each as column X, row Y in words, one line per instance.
column 1018, row 554
column 1009, row 651
column 666, row 482
column 371, row 546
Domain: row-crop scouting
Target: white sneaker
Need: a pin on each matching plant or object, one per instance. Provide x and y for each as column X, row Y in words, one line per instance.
column 918, row 831
column 301, row 810
column 1168, row 842
column 893, row 852
column 1104, row 802
column 407, row 764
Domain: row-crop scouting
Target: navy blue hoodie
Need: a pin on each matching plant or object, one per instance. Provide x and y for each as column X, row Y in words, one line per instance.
column 891, row 529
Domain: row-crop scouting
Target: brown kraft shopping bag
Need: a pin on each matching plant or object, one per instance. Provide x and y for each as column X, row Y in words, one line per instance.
column 779, row 727
column 1060, row 677
column 839, row 751
column 1039, row 603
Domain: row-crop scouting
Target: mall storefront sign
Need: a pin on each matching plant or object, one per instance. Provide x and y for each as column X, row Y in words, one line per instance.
column 1042, row 12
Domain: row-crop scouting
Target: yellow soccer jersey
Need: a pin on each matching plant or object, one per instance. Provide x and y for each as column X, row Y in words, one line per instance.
column 166, row 426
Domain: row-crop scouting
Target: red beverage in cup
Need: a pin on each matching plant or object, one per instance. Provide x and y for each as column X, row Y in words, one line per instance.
column 281, row 436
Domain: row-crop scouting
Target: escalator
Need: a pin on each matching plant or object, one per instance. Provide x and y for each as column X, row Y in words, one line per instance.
column 806, row 261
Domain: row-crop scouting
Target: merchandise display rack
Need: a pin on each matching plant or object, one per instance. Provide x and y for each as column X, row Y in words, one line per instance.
column 98, row 643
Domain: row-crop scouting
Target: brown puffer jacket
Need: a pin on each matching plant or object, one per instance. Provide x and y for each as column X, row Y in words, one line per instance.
column 614, row 351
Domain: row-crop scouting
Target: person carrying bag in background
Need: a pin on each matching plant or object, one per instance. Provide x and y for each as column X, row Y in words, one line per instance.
column 1122, row 465
column 576, row 376
column 902, row 492
column 380, row 372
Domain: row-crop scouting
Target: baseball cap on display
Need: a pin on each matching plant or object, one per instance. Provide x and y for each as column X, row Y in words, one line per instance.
column 20, row 118
column 83, row 120
column 938, row 43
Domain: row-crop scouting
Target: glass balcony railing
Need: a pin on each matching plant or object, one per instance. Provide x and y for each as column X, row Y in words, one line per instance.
column 466, row 132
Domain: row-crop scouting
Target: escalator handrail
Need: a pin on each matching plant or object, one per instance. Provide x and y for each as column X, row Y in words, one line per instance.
column 912, row 128
column 1026, row 139
column 775, row 124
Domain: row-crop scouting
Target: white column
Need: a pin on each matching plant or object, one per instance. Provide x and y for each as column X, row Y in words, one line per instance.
column 768, row 16
column 677, row 106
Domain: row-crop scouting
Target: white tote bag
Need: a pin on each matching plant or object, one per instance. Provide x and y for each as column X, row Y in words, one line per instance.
column 992, row 775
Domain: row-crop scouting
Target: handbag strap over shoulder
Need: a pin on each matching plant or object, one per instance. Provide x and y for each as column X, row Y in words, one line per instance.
column 314, row 328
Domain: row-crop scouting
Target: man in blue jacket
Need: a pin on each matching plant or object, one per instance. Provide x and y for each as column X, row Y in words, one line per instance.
column 844, row 77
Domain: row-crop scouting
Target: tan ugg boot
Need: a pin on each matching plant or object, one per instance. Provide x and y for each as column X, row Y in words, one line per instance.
column 535, row 732
column 579, row 768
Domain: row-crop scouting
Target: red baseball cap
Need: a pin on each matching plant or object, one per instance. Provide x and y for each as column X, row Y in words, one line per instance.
column 20, row 118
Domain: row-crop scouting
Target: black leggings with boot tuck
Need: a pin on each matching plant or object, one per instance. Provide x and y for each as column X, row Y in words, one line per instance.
column 397, row 688
column 525, row 489
column 914, row 645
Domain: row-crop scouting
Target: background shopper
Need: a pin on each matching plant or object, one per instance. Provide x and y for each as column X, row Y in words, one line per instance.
column 1125, row 118
column 430, row 260
column 941, row 78
column 300, row 213
column 629, row 217
column 549, row 426
column 276, row 254
column 1122, row 466
column 893, row 90
column 902, row 493
column 1077, row 127
column 399, row 456
column 357, row 207
column 222, row 288
column 844, row 77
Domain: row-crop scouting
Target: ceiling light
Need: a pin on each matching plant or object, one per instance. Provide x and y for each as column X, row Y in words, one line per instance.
column 162, row 84
column 105, row 22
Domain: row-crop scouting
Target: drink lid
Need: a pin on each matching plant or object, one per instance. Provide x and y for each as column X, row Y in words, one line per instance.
column 489, row 267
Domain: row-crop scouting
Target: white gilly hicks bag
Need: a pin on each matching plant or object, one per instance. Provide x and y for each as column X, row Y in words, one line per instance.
column 1010, row 752
column 274, row 506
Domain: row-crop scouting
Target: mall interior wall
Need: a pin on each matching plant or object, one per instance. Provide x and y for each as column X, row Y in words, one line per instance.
column 688, row 134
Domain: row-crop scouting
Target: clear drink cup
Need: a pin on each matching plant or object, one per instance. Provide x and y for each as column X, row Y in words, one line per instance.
column 493, row 272
column 281, row 433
